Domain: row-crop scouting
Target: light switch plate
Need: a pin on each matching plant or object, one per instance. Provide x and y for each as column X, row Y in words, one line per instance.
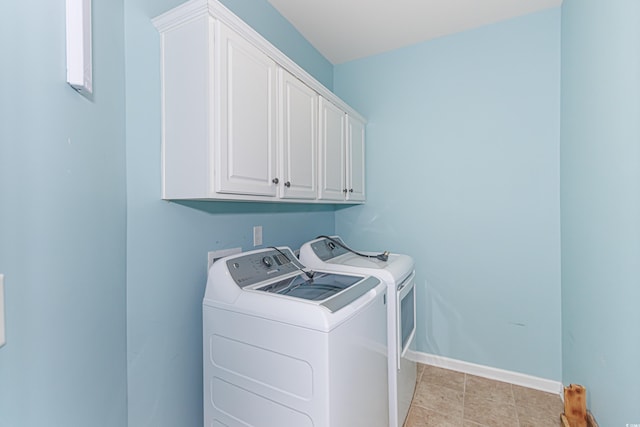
column 2, row 336
column 257, row 235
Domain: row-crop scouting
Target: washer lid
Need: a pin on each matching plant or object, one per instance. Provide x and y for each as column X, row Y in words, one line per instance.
column 320, row 287
column 273, row 277
column 330, row 290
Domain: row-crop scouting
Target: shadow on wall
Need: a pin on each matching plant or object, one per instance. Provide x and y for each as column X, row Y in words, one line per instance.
column 226, row 207
column 441, row 321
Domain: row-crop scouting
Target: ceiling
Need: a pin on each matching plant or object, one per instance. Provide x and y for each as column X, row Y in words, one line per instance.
column 344, row 30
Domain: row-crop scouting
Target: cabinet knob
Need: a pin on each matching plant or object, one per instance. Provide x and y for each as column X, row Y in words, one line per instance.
column 287, row 184
column 351, row 190
column 275, row 180
column 344, row 191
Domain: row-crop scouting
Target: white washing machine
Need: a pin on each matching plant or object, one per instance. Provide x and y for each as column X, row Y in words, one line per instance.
column 284, row 349
column 329, row 253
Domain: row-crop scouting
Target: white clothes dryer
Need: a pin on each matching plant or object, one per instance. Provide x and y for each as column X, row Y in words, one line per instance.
column 329, row 253
column 281, row 348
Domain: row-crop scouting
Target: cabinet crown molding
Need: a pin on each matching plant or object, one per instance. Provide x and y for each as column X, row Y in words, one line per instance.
column 194, row 9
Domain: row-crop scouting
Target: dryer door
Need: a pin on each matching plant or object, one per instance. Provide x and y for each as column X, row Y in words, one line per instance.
column 406, row 316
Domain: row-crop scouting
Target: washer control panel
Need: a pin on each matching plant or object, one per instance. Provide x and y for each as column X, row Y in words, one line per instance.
column 247, row 270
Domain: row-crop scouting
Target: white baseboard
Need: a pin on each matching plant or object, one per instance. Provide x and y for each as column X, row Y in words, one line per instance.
column 511, row 377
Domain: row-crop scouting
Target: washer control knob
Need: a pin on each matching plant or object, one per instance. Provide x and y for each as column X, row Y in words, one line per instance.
column 267, row 261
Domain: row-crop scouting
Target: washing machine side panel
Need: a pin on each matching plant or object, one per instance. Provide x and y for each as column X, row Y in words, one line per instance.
column 259, row 372
column 405, row 386
column 357, row 373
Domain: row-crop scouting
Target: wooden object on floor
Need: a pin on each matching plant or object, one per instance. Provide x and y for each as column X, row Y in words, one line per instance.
column 575, row 405
column 591, row 421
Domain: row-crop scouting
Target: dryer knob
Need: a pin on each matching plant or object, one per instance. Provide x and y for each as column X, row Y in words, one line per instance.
column 267, row 261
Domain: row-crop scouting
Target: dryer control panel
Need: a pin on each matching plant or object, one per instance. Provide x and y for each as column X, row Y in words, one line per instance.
column 325, row 249
column 247, row 270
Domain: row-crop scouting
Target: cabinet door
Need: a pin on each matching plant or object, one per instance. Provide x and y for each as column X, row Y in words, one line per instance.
column 355, row 159
column 332, row 152
column 246, row 141
column 299, row 115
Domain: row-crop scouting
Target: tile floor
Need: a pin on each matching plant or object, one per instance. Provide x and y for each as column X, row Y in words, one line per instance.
column 445, row 398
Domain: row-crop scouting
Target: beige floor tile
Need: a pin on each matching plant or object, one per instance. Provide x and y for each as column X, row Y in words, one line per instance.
column 495, row 391
column 491, row 413
column 420, row 367
column 438, row 398
column 422, row 417
column 537, row 417
column 446, row 398
column 530, row 398
column 443, row 377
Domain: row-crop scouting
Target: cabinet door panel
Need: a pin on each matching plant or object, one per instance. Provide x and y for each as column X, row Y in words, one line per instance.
column 332, row 152
column 299, row 110
column 246, row 161
column 355, row 152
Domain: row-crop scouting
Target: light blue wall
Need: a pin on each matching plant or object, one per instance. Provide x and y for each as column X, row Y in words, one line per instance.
column 463, row 141
column 463, row 174
column 62, row 222
column 167, row 243
column 600, row 186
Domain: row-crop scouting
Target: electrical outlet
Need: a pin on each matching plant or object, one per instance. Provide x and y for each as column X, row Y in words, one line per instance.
column 213, row 256
column 257, row 235
column 2, row 336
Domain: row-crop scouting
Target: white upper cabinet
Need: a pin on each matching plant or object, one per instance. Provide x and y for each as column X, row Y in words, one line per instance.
column 355, row 159
column 298, row 138
column 246, row 152
column 187, row 110
column 341, row 155
column 332, row 152
column 241, row 121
